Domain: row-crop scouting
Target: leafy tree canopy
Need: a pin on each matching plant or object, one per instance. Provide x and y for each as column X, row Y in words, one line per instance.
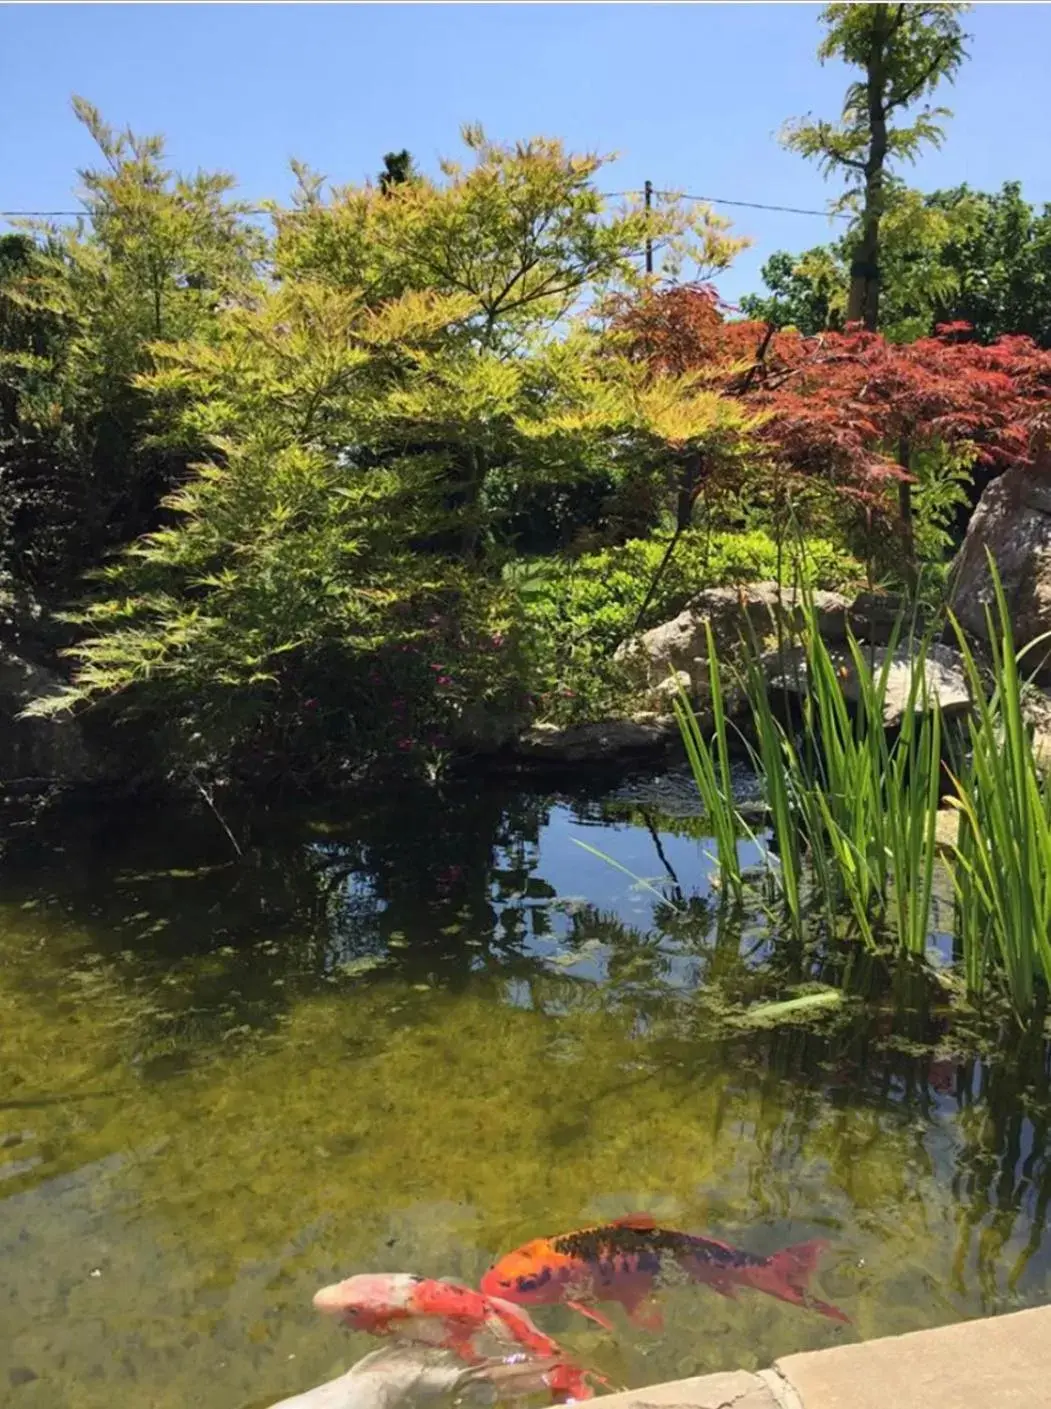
column 950, row 256
column 903, row 51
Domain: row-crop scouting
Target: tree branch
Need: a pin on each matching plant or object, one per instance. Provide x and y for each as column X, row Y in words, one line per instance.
column 901, row 100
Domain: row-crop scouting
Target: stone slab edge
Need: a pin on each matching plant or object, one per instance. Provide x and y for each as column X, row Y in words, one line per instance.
column 734, row 1389
column 999, row 1362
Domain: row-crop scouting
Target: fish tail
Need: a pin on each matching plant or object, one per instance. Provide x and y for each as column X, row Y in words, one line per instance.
column 786, row 1275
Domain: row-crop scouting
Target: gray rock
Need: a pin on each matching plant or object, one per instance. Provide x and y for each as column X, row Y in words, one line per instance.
column 872, row 616
column 736, row 615
column 944, row 679
column 1013, row 522
column 1036, row 707
column 605, row 741
column 414, row 1374
column 666, row 692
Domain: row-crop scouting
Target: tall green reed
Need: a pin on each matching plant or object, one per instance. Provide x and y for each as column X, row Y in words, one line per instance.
column 1001, row 863
column 710, row 764
column 850, row 839
column 850, row 812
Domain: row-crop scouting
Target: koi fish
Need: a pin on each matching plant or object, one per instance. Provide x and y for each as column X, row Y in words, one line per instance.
column 624, row 1260
column 473, row 1326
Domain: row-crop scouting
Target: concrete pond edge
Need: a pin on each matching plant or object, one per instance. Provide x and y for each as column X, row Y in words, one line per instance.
column 999, row 1362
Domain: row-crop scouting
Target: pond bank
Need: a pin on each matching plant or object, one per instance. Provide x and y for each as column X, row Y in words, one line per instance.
column 995, row 1363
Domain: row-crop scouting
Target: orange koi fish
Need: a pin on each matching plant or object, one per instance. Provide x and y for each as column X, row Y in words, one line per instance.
column 625, row 1259
column 471, row 1325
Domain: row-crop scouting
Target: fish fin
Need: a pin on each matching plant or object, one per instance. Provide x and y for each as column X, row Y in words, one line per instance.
column 786, row 1275
column 592, row 1315
column 642, row 1221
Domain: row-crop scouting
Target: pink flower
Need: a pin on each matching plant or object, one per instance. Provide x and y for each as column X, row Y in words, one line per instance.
column 496, row 640
column 438, row 667
column 310, row 704
column 444, row 680
column 405, row 745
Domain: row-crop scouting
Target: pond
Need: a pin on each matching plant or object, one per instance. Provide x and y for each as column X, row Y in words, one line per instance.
column 411, row 1032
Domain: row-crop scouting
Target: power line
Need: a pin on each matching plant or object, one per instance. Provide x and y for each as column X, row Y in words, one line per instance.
column 758, row 205
column 86, row 214
column 705, row 200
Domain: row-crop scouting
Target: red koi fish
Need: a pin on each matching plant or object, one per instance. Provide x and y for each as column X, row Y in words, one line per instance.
column 471, row 1325
column 625, row 1259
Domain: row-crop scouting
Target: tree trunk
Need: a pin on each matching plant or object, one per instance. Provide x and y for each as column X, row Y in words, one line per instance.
column 905, row 509
column 863, row 299
column 470, row 532
column 689, row 483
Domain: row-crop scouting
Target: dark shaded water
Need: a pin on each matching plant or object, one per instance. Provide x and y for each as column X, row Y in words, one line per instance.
column 412, row 1033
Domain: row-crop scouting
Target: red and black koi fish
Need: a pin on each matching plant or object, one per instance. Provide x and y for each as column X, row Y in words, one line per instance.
column 624, row 1260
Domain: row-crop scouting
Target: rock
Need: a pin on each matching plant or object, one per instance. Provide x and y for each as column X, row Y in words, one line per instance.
column 414, row 1374
column 1036, row 708
column 1013, row 522
column 666, row 692
column 38, row 750
column 946, row 828
column 736, row 615
column 606, row 741
column 872, row 616
column 999, row 1362
column 945, row 680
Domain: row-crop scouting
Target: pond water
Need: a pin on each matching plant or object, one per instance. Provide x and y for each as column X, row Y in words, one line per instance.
column 409, row 1034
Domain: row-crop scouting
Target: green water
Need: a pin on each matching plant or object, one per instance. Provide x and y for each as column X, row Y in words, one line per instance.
column 410, row 1034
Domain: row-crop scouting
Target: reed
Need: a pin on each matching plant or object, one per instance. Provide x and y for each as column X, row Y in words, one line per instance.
column 1001, row 864
column 849, row 845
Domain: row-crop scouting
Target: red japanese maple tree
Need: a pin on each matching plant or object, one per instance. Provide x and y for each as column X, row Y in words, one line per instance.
column 852, row 408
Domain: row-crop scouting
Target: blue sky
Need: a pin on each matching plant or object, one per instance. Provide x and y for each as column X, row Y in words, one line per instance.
column 691, row 96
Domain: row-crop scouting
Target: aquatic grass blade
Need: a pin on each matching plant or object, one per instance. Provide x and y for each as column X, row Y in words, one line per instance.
column 639, row 880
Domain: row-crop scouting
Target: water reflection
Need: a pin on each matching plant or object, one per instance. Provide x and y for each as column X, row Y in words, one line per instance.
column 410, row 1033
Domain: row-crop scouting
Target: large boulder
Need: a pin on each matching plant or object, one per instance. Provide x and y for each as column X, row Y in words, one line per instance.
column 944, row 682
column 1013, row 523
column 736, row 615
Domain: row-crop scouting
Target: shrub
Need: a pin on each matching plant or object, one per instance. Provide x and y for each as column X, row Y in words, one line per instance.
column 575, row 613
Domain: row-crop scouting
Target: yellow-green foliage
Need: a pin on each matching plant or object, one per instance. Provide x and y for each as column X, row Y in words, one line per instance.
column 577, row 611
column 520, row 229
column 355, row 427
